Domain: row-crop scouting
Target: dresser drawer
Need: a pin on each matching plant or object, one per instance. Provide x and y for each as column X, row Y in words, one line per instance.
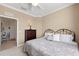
column 30, row 34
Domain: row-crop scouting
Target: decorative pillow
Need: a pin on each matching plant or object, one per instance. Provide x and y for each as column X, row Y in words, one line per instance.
column 56, row 37
column 49, row 37
column 47, row 34
column 66, row 38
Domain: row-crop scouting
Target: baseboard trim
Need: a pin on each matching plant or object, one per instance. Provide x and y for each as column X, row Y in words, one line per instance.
column 21, row 44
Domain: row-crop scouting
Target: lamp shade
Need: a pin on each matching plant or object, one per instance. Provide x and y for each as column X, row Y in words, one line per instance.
column 30, row 23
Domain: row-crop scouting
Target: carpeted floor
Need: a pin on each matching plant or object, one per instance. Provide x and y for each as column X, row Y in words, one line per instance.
column 8, row 48
column 13, row 52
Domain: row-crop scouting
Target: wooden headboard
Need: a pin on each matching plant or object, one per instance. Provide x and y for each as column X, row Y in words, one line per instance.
column 66, row 31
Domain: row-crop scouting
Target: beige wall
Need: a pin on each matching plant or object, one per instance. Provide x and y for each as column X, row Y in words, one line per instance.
column 67, row 18
column 22, row 23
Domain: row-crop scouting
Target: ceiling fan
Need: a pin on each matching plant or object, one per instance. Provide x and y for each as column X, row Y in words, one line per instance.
column 29, row 6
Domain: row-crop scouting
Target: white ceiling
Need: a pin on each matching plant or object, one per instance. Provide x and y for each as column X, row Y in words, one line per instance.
column 42, row 9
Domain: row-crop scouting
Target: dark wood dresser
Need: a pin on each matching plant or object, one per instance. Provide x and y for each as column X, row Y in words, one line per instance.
column 30, row 34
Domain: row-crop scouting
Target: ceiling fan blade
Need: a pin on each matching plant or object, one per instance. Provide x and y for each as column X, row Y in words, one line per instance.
column 30, row 6
column 39, row 6
column 26, row 6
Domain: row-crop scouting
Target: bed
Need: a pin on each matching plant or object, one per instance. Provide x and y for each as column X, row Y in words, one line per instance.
column 43, row 47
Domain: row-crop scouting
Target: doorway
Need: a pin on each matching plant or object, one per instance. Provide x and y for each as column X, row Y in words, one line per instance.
column 8, row 33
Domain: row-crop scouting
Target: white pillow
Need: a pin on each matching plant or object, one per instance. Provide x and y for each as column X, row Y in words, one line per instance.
column 56, row 37
column 49, row 37
column 47, row 34
column 66, row 38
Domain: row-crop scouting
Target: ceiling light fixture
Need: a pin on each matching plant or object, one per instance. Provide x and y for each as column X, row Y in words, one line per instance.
column 35, row 4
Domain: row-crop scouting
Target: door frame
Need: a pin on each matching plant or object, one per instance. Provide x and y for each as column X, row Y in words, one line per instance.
column 10, row 17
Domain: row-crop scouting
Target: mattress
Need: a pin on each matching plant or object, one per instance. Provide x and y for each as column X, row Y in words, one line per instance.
column 43, row 47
